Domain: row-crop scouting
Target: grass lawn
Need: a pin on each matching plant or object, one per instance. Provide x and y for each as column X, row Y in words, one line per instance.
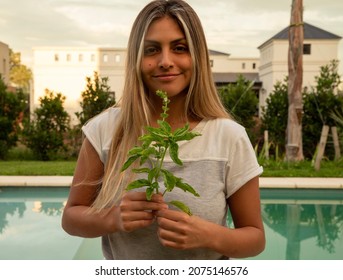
column 271, row 168
column 62, row 168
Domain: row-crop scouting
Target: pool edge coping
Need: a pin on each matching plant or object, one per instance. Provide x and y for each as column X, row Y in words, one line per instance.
column 265, row 182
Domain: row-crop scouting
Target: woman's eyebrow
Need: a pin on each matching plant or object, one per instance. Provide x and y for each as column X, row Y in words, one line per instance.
column 149, row 41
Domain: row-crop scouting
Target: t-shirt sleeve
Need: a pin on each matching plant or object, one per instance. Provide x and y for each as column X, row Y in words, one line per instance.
column 99, row 131
column 243, row 165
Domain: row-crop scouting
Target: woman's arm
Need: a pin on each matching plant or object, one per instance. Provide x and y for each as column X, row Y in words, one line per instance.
column 180, row 231
column 133, row 211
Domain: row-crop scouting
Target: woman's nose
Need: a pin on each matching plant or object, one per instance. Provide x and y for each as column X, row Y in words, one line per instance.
column 165, row 60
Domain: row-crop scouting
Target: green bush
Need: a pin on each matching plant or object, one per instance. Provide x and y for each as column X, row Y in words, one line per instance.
column 11, row 106
column 274, row 117
column 241, row 101
column 44, row 134
column 95, row 98
column 320, row 103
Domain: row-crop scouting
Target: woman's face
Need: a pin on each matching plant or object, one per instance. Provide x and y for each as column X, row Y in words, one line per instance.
column 166, row 63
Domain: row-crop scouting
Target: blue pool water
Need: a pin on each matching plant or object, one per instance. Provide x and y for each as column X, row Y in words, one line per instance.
column 299, row 224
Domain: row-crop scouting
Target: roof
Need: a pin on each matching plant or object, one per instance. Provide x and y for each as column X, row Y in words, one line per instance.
column 212, row 52
column 310, row 32
column 232, row 77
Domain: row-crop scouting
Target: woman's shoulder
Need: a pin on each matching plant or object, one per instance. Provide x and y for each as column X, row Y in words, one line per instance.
column 105, row 118
column 225, row 125
column 103, row 124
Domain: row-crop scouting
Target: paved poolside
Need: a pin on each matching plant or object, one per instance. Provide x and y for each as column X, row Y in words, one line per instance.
column 265, row 182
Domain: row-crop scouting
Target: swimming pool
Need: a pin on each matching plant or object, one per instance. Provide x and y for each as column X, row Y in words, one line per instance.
column 299, row 224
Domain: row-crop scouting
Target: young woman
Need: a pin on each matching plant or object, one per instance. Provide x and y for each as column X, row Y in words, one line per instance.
column 167, row 51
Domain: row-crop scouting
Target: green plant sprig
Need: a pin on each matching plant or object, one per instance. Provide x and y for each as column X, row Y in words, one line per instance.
column 155, row 145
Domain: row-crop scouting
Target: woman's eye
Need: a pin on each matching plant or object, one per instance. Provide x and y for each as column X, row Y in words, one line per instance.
column 150, row 50
column 181, row 48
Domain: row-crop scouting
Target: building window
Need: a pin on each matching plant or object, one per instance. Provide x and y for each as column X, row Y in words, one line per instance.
column 105, row 58
column 80, row 57
column 4, row 66
column 68, row 57
column 307, row 49
column 117, row 58
column 243, row 65
column 211, row 62
column 254, row 66
column 57, row 58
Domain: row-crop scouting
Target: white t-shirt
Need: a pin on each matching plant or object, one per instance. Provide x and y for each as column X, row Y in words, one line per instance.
column 216, row 164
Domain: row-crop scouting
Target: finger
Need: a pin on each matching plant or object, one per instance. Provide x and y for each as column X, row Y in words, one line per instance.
column 171, row 239
column 137, row 215
column 133, row 225
column 173, row 215
column 141, row 206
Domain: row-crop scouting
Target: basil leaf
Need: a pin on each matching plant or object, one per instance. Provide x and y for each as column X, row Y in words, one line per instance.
column 138, row 184
column 183, row 207
column 173, row 151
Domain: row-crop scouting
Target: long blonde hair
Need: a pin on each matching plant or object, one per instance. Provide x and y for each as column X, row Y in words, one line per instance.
column 202, row 100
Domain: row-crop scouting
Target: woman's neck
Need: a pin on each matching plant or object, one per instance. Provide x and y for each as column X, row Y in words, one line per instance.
column 177, row 116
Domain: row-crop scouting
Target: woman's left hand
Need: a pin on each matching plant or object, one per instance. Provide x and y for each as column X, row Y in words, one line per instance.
column 178, row 230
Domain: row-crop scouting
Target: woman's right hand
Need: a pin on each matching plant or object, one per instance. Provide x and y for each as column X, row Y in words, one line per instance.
column 135, row 211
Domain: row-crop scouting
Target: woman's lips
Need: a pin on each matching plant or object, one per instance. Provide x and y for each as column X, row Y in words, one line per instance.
column 166, row 77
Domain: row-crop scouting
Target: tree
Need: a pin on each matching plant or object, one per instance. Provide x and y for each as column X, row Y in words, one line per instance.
column 274, row 115
column 95, row 98
column 44, row 135
column 294, row 150
column 20, row 75
column 11, row 107
column 241, row 101
column 321, row 103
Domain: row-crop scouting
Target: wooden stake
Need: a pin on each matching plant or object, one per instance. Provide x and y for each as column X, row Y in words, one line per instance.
column 335, row 142
column 266, row 144
column 321, row 147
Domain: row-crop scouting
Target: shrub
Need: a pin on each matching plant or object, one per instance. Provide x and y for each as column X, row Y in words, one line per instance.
column 95, row 98
column 320, row 103
column 275, row 115
column 44, row 135
column 241, row 101
column 11, row 107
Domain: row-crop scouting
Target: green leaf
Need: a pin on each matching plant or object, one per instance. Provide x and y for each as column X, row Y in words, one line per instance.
column 186, row 187
column 169, row 180
column 149, row 192
column 165, row 126
column 135, row 151
column 138, row 184
column 189, row 135
column 141, row 170
column 146, row 153
column 129, row 161
column 183, row 207
column 182, row 130
column 157, row 133
column 174, row 151
column 146, row 139
column 152, row 173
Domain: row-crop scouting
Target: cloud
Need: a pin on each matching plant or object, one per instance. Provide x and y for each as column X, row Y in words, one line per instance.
column 237, row 27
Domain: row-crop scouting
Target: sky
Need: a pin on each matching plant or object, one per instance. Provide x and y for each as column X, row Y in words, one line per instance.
column 236, row 27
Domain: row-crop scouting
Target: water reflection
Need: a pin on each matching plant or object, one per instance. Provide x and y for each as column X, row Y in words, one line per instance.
column 49, row 201
column 299, row 224
column 10, row 209
column 302, row 215
column 18, row 209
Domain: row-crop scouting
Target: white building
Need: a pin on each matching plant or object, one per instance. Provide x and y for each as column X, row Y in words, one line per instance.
column 64, row 70
column 320, row 47
column 4, row 62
